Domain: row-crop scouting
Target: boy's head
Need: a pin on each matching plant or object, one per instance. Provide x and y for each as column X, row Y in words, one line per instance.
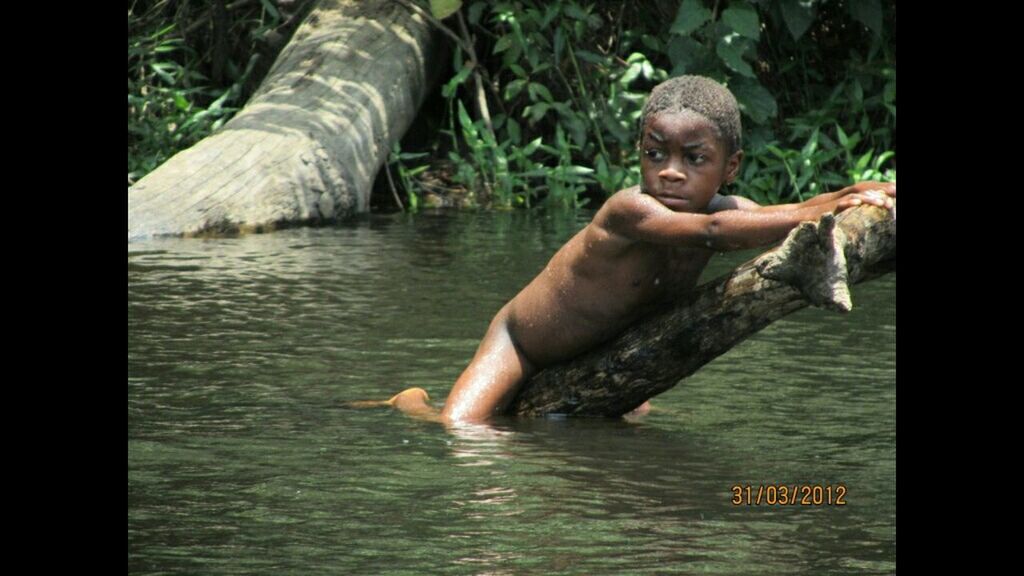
column 703, row 96
column 689, row 142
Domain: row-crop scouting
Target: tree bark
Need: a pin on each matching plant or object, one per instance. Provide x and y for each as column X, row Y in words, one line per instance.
column 814, row 265
column 308, row 145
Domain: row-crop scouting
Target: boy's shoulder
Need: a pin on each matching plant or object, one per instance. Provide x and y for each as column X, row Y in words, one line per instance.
column 626, row 200
column 625, row 205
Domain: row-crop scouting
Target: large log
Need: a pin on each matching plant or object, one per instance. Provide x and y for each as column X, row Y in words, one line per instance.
column 814, row 265
column 307, row 146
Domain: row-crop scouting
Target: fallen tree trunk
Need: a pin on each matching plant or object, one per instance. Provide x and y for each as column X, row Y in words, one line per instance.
column 814, row 265
column 309, row 143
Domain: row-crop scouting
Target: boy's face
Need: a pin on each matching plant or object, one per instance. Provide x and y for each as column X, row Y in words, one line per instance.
column 683, row 161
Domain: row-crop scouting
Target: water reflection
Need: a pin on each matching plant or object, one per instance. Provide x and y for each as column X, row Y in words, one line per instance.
column 242, row 458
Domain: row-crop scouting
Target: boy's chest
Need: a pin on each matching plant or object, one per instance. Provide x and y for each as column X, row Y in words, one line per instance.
column 676, row 269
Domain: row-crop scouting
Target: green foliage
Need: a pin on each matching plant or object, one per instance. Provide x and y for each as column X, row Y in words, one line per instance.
column 559, row 130
column 406, row 174
column 191, row 65
column 564, row 82
column 444, row 8
column 569, row 79
column 166, row 110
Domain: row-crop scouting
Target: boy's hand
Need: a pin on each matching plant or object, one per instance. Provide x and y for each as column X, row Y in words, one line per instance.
column 873, row 193
column 887, row 188
column 872, row 197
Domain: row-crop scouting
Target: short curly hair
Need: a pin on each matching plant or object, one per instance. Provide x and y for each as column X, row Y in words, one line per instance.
column 703, row 96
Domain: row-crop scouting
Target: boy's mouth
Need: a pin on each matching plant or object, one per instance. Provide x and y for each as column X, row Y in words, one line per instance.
column 674, row 189
column 671, row 191
column 672, row 200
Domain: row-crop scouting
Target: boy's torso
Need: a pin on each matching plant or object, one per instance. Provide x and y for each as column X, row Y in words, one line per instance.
column 595, row 286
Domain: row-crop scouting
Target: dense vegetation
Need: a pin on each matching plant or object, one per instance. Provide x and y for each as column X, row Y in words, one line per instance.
column 542, row 100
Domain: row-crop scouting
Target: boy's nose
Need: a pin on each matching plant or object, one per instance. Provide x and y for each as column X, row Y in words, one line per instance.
column 672, row 174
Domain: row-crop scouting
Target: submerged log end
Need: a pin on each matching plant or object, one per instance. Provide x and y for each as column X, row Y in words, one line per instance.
column 813, row 261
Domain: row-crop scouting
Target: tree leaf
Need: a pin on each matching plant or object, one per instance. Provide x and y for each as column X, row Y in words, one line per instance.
column 867, row 12
column 514, row 88
column 685, row 53
column 536, row 89
column 730, row 49
column 442, row 9
column 754, row 100
column 572, row 10
column 798, row 15
column 691, row 16
column 503, row 43
column 475, row 10
column 742, row 18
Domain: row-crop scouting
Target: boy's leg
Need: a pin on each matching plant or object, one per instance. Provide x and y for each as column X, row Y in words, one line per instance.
column 416, row 403
column 641, row 410
column 491, row 380
column 410, row 400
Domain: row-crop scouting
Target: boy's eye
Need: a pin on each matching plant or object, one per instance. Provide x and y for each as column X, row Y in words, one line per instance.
column 655, row 154
column 698, row 158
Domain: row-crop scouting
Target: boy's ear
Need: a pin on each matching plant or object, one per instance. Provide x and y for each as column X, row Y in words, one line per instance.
column 732, row 167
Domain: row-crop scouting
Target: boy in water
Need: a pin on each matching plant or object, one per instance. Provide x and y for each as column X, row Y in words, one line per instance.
column 646, row 244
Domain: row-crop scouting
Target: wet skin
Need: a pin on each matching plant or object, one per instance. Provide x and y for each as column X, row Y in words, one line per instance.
column 646, row 245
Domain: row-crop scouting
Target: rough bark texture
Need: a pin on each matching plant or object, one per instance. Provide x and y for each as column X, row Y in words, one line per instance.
column 813, row 266
column 310, row 141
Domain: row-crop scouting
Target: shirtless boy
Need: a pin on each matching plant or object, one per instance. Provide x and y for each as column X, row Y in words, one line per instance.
column 646, row 244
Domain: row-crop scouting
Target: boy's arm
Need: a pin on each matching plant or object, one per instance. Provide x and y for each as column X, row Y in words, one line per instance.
column 642, row 218
column 719, row 202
